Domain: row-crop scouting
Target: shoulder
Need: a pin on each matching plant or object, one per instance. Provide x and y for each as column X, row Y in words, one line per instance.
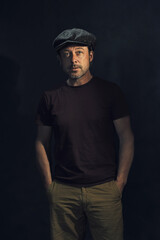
column 107, row 85
column 51, row 94
column 54, row 88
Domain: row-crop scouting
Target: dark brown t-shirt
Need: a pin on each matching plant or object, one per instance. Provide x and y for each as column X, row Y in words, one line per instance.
column 82, row 120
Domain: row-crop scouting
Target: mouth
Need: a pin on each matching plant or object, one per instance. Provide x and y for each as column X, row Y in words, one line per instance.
column 74, row 67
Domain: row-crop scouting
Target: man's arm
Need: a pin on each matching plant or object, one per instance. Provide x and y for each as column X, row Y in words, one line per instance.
column 126, row 149
column 42, row 148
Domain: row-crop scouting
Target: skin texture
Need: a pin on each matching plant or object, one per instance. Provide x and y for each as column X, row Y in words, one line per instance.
column 75, row 62
column 126, row 149
column 42, row 149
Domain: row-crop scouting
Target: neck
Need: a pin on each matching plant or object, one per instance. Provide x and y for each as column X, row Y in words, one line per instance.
column 80, row 81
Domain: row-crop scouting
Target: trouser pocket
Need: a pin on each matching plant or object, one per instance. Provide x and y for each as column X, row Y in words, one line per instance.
column 117, row 189
column 50, row 187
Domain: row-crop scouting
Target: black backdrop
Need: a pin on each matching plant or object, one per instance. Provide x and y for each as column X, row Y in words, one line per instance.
column 128, row 53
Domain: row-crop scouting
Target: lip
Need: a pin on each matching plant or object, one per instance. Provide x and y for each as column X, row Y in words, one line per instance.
column 74, row 69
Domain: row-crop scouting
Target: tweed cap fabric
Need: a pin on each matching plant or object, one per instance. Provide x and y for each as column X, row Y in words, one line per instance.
column 74, row 36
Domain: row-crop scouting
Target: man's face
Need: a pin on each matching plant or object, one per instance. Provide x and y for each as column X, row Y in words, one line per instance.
column 75, row 60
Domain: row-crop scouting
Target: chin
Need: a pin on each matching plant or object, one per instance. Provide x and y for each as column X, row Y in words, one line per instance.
column 75, row 76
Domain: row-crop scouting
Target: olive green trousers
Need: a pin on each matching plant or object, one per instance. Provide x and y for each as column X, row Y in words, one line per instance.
column 71, row 207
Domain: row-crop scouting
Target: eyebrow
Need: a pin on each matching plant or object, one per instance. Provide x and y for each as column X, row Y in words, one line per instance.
column 75, row 48
column 80, row 48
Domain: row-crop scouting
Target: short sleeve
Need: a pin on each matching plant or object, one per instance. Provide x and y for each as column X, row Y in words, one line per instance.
column 119, row 104
column 42, row 116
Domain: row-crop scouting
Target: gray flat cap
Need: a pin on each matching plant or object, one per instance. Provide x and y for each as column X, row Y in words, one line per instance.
column 75, row 36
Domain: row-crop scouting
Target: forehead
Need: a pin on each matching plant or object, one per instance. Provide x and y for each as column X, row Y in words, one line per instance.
column 74, row 47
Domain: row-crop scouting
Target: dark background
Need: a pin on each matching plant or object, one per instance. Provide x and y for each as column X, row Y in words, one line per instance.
column 128, row 53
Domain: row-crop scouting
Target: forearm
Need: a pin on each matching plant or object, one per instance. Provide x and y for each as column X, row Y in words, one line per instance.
column 126, row 152
column 42, row 158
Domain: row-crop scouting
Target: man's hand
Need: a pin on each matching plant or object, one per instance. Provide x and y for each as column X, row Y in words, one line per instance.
column 48, row 184
column 48, row 187
column 120, row 185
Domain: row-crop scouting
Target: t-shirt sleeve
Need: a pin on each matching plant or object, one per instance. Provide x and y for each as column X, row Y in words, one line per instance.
column 42, row 116
column 119, row 104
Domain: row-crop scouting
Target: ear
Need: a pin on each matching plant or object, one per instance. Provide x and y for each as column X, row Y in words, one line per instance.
column 91, row 56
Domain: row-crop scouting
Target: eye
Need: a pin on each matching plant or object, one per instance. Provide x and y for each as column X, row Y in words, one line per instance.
column 66, row 54
column 79, row 52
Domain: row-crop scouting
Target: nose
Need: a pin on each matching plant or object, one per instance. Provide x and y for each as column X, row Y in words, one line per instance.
column 73, row 58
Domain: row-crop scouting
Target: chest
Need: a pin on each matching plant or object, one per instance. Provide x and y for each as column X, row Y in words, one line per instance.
column 75, row 109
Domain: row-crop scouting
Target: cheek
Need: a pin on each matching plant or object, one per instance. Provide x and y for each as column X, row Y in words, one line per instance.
column 87, row 61
column 65, row 64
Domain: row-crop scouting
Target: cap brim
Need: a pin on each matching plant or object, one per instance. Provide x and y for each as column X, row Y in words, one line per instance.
column 62, row 45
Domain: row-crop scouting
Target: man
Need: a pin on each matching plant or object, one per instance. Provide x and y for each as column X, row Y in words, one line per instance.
column 83, row 113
